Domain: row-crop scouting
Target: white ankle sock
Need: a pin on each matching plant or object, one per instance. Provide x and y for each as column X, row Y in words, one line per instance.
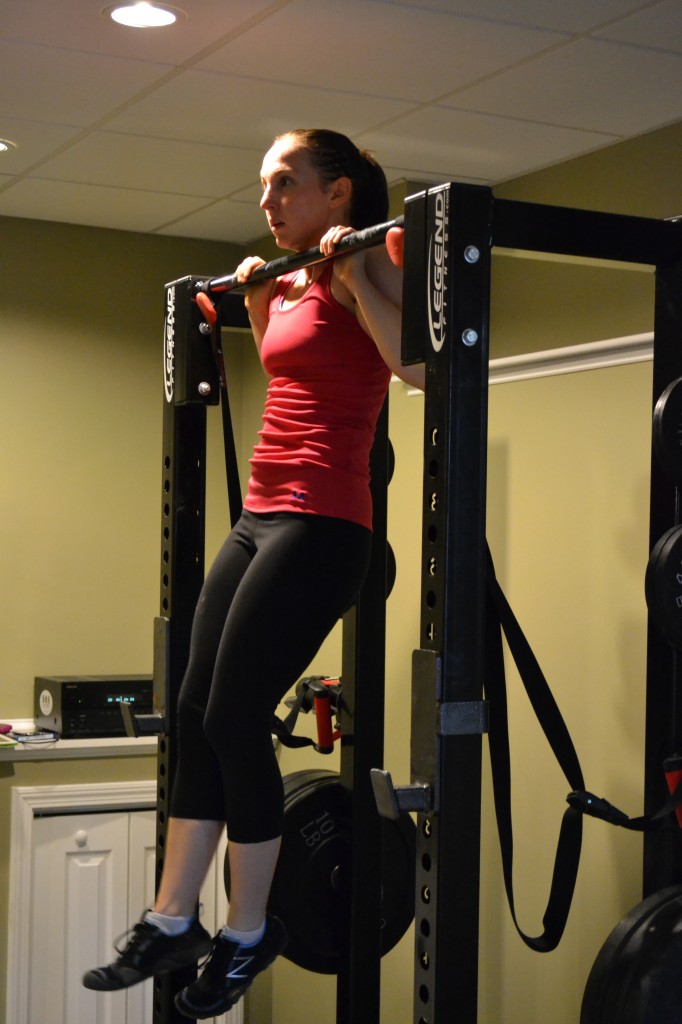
column 169, row 924
column 243, row 938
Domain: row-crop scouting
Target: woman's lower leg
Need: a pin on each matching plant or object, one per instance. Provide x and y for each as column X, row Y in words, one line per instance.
column 190, row 847
column 252, row 866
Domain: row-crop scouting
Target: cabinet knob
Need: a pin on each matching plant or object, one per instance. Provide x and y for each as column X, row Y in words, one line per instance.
column 81, row 838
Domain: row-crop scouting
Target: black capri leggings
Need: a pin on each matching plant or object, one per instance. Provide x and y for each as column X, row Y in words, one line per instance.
column 277, row 587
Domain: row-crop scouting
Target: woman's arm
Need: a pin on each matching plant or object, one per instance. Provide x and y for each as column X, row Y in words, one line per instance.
column 257, row 298
column 375, row 285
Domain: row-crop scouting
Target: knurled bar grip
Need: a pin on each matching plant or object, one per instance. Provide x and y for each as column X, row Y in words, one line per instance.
column 364, row 239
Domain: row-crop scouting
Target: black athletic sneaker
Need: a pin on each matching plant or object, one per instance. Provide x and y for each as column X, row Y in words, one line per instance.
column 229, row 971
column 149, row 951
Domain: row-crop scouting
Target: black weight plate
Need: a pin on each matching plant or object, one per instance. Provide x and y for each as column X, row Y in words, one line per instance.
column 637, row 976
column 391, row 570
column 663, row 585
column 305, row 891
column 667, row 430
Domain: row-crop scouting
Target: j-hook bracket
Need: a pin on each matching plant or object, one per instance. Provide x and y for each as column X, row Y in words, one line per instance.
column 153, row 724
column 393, row 801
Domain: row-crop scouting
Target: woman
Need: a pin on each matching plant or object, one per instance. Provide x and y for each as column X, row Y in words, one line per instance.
column 329, row 337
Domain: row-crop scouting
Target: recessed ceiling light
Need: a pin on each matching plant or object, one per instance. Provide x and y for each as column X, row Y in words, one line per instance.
column 5, row 144
column 144, row 14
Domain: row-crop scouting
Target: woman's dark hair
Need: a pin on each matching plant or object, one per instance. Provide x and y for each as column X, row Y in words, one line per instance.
column 334, row 156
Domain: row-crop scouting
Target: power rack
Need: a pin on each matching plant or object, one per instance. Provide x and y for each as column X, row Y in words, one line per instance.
column 450, row 232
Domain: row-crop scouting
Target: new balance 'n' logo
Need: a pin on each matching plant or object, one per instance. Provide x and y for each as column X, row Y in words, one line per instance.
column 239, row 966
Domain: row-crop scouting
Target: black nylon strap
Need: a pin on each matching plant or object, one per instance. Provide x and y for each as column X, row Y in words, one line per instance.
column 234, row 491
column 598, row 807
column 283, row 729
column 499, row 617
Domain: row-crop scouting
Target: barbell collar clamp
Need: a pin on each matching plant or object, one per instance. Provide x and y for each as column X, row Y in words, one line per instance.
column 392, row 801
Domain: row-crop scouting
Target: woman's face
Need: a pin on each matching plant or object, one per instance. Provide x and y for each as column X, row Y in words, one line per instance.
column 298, row 206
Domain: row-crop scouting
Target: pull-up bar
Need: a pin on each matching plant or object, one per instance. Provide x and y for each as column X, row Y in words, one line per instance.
column 364, row 239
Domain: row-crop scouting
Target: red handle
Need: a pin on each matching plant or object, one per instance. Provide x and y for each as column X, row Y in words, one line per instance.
column 207, row 308
column 323, row 716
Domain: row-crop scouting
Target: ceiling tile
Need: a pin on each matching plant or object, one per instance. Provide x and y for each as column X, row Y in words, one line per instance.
column 407, row 53
column 161, row 165
column 455, row 144
column 170, row 123
column 80, row 25
column 224, row 109
column 422, row 177
column 576, row 16
column 659, row 27
column 38, row 139
column 40, row 83
column 589, row 84
column 223, row 221
column 125, row 209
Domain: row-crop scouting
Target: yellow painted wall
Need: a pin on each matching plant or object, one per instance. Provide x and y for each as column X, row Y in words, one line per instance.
column 81, row 317
column 567, row 524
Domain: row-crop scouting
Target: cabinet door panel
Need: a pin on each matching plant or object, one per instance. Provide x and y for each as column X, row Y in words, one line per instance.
column 141, row 888
column 92, row 876
column 80, row 870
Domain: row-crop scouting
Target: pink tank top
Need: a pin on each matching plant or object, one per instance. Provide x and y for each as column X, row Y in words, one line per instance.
column 327, row 389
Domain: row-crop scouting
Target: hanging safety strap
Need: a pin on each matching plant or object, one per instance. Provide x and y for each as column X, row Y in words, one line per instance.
column 501, row 619
column 234, row 491
column 283, row 729
column 598, row 807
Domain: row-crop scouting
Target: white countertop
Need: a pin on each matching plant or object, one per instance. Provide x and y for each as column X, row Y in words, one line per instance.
column 113, row 746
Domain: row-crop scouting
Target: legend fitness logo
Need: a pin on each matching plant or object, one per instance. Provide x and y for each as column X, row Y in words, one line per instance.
column 169, row 344
column 437, row 271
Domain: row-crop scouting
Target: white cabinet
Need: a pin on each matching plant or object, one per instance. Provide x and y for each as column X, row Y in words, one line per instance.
column 85, row 879
column 87, row 869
